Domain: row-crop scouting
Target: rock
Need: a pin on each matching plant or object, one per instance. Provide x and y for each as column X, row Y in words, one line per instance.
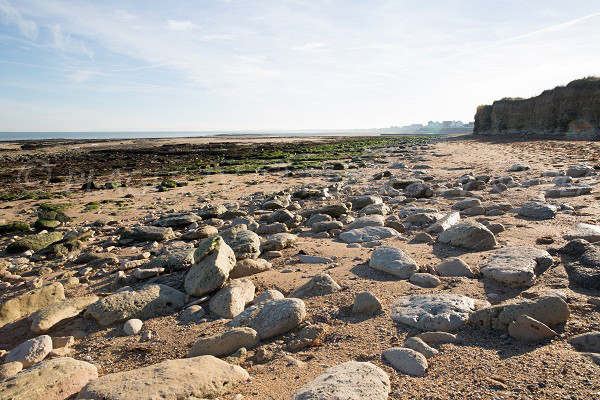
column 249, row 267
column 276, row 202
column 319, row 285
column 466, row 203
column 148, row 302
column 176, row 261
column 62, row 341
column 148, row 234
column 439, row 312
column 589, row 341
column 326, row 226
column 279, row 241
column 519, row 168
column 226, row 343
column 454, row 266
column 549, row 310
column 177, row 220
column 211, row 211
column 214, row 259
column 31, row 351
column 368, row 234
column 269, row 255
column 310, row 335
column 272, row 318
column 425, row 280
column 8, row 370
column 45, row 318
column 197, row 377
column 366, row 303
column 133, row 327
column 34, row 242
column 537, row 210
column 444, row 223
column 393, row 261
column 470, row 235
column 368, row 220
column 147, row 273
column 516, row 266
column 56, row 379
column 585, row 269
column 407, row 361
column 305, row 259
column 417, row 344
column 380, row 209
column 569, row 191
column 230, row 300
column 192, row 314
column 351, row 380
column 437, row 337
column 28, row 303
column 364, row 201
column 282, row 216
column 270, row 229
column 579, row 170
column 590, row 233
column 419, row 190
column 529, row 329
column 423, row 237
column 267, row 295
column 201, row 233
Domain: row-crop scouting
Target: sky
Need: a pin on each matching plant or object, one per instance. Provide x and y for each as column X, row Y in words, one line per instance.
column 156, row 65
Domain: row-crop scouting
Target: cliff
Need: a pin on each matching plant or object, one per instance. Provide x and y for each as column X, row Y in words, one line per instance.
column 572, row 109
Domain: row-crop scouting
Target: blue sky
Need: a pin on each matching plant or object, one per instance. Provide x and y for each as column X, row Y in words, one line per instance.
column 79, row 65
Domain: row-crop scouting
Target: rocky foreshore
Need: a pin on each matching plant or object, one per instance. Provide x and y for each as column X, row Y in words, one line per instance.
column 438, row 268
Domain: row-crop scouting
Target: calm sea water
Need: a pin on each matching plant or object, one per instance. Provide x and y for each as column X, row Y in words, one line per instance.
column 4, row 136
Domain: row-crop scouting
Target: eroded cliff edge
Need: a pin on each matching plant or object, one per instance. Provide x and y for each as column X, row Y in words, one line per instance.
column 572, row 109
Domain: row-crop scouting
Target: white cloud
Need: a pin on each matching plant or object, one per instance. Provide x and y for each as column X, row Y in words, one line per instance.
column 12, row 16
column 308, row 46
column 186, row 25
column 79, row 77
column 126, row 16
column 64, row 42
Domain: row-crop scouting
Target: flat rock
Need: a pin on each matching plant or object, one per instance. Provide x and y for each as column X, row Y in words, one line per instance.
column 198, row 377
column 419, row 345
column 272, row 318
column 28, row 303
column 305, row 259
column 148, row 234
column 584, row 270
column 368, row 220
column 589, row 341
column 45, row 318
column 31, row 351
column 529, row 329
column 425, row 279
column 226, row 343
column 437, row 337
column 56, row 379
column 588, row 232
column 319, row 285
column 8, row 370
column 470, row 235
column 351, row 380
column 33, row 242
column 214, row 259
column 407, row 361
column 177, row 220
column 368, row 234
column 394, row 261
column 147, row 302
column 438, row 312
column 550, row 310
column 231, row 299
column 569, row 191
column 516, row 266
column 537, row 210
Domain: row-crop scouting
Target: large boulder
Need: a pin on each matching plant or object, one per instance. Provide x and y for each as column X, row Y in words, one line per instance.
column 435, row 312
column 470, row 235
column 45, row 318
column 214, row 259
column 56, row 379
column 148, row 302
column 393, row 261
column 244, row 243
column 351, row 380
column 517, row 266
column 231, row 299
column 31, row 351
column 368, row 234
column 319, row 285
column 226, row 343
column 549, row 310
column 33, row 242
column 272, row 318
column 198, row 377
column 28, row 303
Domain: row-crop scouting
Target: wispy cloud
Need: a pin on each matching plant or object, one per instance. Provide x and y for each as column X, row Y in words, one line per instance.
column 65, row 42
column 79, row 77
column 186, row 25
column 308, row 46
column 12, row 16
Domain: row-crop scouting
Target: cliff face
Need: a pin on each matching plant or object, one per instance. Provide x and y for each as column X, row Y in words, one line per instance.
column 572, row 109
